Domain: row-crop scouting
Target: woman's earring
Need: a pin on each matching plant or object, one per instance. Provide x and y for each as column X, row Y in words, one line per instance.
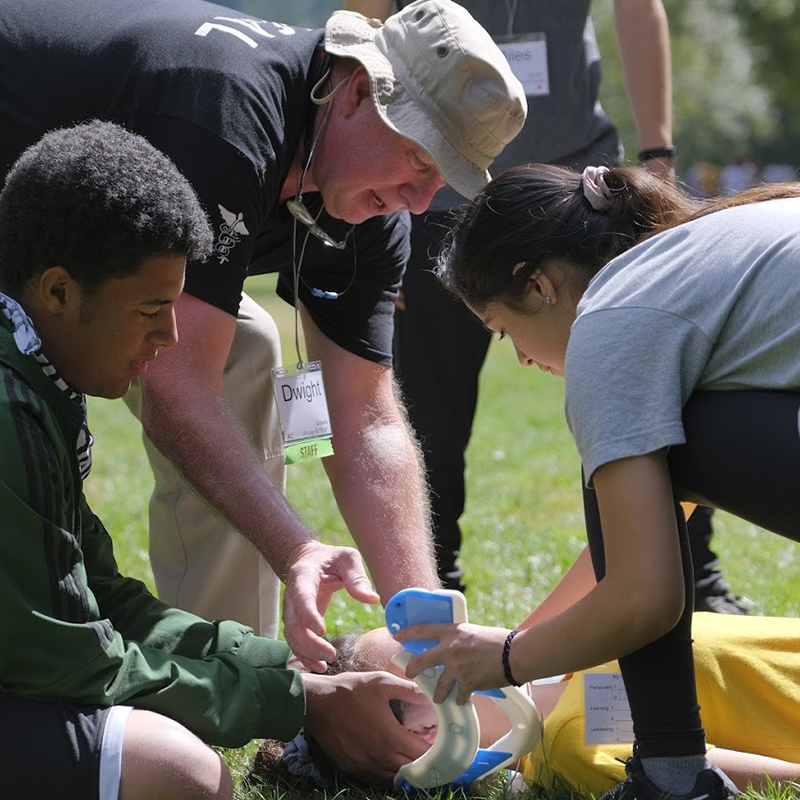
column 548, row 299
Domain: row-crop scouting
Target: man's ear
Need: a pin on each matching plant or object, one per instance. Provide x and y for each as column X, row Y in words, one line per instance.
column 57, row 291
column 355, row 92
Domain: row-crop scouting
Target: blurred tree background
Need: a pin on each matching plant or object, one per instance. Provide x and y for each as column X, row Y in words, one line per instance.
column 735, row 66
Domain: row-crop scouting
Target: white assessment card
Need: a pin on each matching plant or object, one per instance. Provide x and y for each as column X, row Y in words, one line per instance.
column 608, row 715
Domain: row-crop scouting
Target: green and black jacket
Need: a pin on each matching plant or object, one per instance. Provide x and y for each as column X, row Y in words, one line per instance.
column 72, row 629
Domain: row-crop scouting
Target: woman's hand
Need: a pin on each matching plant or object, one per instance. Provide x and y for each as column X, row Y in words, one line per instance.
column 472, row 656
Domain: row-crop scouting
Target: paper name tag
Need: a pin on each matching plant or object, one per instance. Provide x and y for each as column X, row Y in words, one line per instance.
column 607, row 713
column 303, row 412
column 527, row 56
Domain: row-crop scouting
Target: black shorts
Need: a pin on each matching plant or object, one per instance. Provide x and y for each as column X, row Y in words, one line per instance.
column 49, row 750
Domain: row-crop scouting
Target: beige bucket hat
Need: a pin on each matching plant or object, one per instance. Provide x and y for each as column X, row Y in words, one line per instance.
column 438, row 79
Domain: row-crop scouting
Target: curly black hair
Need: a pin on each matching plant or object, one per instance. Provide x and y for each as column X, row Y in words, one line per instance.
column 97, row 200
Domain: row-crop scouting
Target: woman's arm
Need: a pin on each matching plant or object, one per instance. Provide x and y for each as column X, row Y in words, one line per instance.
column 640, row 598
column 576, row 583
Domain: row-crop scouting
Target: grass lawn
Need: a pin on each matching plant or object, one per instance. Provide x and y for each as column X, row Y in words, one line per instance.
column 523, row 524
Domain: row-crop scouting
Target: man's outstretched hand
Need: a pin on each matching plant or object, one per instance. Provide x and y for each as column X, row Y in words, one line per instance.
column 315, row 572
column 350, row 718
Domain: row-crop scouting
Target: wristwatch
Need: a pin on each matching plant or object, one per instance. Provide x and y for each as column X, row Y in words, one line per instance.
column 667, row 151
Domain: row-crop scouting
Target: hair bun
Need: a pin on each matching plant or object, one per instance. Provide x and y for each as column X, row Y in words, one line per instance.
column 595, row 189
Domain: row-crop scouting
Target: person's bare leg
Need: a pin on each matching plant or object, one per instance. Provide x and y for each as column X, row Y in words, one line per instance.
column 162, row 759
column 751, row 768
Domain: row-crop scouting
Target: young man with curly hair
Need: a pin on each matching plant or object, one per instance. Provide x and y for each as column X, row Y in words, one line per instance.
column 105, row 691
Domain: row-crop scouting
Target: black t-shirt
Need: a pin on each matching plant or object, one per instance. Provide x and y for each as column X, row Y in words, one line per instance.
column 226, row 97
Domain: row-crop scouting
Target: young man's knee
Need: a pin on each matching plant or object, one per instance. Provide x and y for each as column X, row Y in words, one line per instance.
column 162, row 758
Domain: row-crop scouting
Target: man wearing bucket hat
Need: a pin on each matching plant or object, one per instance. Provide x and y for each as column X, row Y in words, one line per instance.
column 307, row 148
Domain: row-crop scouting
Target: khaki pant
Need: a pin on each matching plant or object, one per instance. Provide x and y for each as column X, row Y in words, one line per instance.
column 201, row 563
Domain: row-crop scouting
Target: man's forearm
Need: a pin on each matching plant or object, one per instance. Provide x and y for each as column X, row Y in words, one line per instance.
column 377, row 477
column 211, row 452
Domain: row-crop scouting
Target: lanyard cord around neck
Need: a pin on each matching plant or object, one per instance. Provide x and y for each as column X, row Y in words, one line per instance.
column 296, row 264
column 311, row 137
column 511, row 7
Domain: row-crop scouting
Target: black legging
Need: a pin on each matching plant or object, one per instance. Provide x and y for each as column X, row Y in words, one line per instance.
column 742, row 455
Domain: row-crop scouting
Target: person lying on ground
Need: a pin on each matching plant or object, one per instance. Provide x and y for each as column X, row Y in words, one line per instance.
column 747, row 671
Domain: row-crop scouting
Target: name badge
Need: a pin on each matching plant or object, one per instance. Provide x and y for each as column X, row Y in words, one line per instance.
column 608, row 715
column 303, row 412
column 527, row 56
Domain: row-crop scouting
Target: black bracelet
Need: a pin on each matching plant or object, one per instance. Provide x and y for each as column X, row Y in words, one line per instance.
column 667, row 151
column 506, row 651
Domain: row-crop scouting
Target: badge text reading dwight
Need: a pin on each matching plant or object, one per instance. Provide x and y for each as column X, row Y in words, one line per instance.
column 302, row 407
column 303, row 412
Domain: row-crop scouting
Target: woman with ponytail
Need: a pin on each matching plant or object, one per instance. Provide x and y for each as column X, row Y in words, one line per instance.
column 676, row 327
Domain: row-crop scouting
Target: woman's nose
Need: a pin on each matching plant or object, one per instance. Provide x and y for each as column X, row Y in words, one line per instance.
column 523, row 359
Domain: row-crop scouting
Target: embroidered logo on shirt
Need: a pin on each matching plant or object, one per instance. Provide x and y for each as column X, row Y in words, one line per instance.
column 231, row 232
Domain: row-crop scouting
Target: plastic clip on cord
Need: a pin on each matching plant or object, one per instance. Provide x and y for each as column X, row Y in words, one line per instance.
column 456, row 757
column 323, row 294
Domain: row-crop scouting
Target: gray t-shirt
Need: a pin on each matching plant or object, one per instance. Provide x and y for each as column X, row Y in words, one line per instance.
column 713, row 304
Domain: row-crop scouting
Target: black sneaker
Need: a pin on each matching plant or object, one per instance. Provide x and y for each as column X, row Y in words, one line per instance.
column 718, row 598
column 711, row 784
